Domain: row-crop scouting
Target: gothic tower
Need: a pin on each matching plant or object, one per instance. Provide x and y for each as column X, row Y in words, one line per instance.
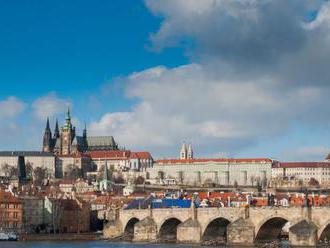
column 183, row 151
column 47, row 139
column 67, row 135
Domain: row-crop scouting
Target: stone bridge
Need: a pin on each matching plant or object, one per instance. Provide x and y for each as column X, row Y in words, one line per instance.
column 233, row 225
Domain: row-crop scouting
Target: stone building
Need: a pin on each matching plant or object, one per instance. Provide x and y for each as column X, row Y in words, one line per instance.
column 75, row 216
column 210, row 171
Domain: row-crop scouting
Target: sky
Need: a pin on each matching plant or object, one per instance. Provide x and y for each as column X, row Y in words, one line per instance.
column 234, row 78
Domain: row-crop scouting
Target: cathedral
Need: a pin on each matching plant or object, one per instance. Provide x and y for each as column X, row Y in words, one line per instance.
column 65, row 141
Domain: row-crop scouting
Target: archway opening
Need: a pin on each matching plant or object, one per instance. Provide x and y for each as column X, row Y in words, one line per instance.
column 168, row 230
column 129, row 229
column 325, row 235
column 216, row 231
column 274, row 229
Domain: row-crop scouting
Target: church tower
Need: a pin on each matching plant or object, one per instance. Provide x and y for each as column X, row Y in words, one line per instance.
column 183, row 151
column 67, row 135
column 190, row 153
column 47, row 139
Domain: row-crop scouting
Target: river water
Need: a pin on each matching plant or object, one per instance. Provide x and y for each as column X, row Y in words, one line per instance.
column 96, row 244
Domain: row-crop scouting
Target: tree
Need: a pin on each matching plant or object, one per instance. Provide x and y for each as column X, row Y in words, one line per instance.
column 29, row 170
column 119, row 179
column 39, row 174
column 139, row 180
column 9, row 171
column 73, row 172
column 313, row 182
column 252, row 180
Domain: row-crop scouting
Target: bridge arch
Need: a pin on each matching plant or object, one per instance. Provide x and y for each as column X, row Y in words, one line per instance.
column 216, row 229
column 324, row 232
column 270, row 228
column 129, row 228
column 168, row 229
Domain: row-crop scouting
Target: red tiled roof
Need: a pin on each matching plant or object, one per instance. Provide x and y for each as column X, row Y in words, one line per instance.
column 118, row 154
column 208, row 160
column 141, row 155
column 113, row 154
column 301, row 164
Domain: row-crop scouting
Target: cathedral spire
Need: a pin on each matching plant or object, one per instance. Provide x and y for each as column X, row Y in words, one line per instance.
column 85, row 131
column 47, row 125
column 47, row 139
column 56, row 131
column 68, row 119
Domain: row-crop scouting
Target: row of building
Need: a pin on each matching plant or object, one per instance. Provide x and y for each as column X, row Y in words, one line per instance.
column 64, row 152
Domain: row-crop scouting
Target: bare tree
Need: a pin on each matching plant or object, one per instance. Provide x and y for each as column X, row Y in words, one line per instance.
column 9, row 171
column 252, row 178
column 139, row 180
column 39, row 174
column 29, row 170
column 72, row 172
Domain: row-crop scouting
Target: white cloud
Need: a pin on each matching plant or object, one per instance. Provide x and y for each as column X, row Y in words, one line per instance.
column 188, row 103
column 11, row 107
column 49, row 105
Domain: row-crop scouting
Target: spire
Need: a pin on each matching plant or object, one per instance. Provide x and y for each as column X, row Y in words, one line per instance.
column 183, row 151
column 68, row 117
column 105, row 172
column 47, row 139
column 85, row 132
column 56, row 131
column 190, row 153
column 47, row 124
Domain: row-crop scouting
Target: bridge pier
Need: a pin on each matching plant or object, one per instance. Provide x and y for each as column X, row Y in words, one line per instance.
column 113, row 229
column 304, row 233
column 240, row 232
column 189, row 232
column 145, row 230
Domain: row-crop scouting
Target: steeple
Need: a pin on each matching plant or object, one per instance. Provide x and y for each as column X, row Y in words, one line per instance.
column 47, row 125
column 56, row 131
column 105, row 172
column 183, row 151
column 68, row 119
column 85, row 132
column 190, row 153
column 47, row 139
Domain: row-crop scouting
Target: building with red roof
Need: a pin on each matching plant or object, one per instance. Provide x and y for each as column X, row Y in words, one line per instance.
column 304, row 173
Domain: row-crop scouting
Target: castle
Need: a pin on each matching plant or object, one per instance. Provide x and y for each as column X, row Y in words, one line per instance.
column 65, row 141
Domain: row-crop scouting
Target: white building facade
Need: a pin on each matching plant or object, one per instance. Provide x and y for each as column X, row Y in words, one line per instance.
column 303, row 171
column 217, row 171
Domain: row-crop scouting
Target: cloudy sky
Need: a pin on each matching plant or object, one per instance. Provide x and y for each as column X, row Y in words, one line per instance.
column 239, row 78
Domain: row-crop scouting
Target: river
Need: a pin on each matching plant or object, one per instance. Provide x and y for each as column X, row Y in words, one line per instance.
column 95, row 244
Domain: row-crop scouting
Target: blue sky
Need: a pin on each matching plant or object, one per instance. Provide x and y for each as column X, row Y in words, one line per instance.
column 154, row 74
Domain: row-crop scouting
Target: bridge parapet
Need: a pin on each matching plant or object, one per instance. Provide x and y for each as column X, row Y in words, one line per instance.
column 264, row 220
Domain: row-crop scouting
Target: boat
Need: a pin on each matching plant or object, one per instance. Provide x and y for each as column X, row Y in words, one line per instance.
column 8, row 236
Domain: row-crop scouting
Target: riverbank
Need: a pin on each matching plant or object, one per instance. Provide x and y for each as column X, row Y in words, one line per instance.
column 61, row 237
